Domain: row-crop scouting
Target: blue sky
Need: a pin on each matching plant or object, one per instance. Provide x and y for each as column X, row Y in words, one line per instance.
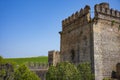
column 30, row 27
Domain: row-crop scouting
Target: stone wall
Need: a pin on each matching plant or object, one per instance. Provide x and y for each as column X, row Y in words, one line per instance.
column 106, row 40
column 53, row 57
column 41, row 73
column 76, row 37
column 39, row 68
column 37, row 65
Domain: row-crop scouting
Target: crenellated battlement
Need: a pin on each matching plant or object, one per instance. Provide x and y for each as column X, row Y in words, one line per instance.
column 37, row 65
column 83, row 15
column 103, row 11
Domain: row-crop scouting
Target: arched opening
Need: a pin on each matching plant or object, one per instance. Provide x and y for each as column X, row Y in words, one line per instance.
column 113, row 75
column 72, row 55
column 118, row 71
column 116, row 75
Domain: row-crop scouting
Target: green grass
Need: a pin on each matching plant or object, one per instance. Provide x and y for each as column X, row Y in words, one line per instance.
column 41, row 59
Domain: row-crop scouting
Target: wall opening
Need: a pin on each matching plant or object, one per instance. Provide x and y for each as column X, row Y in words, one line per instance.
column 72, row 55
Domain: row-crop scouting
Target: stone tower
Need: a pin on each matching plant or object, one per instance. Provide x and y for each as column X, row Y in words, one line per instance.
column 106, row 37
column 94, row 40
column 75, row 37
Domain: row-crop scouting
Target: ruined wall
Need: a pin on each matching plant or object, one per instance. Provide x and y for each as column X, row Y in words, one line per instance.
column 41, row 73
column 75, row 37
column 53, row 57
column 37, row 65
column 106, row 29
column 39, row 68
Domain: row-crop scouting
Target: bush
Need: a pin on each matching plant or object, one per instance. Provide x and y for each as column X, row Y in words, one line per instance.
column 63, row 71
column 6, row 70
column 85, row 71
column 23, row 73
column 107, row 79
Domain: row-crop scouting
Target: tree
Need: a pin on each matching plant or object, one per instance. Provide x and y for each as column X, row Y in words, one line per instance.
column 23, row 73
column 85, row 71
column 1, row 60
column 52, row 73
column 6, row 70
column 63, row 71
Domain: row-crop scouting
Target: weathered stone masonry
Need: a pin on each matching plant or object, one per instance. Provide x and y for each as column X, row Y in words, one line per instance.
column 106, row 34
column 75, row 37
column 94, row 40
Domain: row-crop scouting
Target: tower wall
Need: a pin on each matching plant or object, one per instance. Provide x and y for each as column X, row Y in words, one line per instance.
column 106, row 32
column 75, row 37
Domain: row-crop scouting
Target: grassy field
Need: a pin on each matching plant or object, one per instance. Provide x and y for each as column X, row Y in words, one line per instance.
column 40, row 59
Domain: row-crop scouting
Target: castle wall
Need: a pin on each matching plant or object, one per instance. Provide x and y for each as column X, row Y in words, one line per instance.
column 94, row 40
column 106, row 32
column 75, row 37
column 41, row 73
column 53, row 57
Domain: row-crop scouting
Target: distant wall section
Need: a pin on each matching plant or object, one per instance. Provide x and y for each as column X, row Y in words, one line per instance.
column 53, row 57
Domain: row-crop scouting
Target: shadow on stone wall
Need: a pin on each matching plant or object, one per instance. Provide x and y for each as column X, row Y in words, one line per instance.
column 116, row 75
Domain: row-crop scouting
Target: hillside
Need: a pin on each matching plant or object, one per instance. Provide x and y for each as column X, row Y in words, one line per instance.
column 40, row 59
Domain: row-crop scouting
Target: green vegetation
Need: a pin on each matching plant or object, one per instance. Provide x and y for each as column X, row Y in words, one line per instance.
column 19, row 61
column 6, row 69
column 68, row 71
column 1, row 60
column 4, row 61
column 112, row 22
column 107, row 79
column 9, row 72
column 119, row 28
column 85, row 71
column 23, row 73
column 63, row 71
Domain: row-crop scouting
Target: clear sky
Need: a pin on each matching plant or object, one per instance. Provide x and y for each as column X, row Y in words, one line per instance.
column 30, row 27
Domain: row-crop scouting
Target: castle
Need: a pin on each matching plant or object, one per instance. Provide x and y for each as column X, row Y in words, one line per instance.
column 95, row 40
